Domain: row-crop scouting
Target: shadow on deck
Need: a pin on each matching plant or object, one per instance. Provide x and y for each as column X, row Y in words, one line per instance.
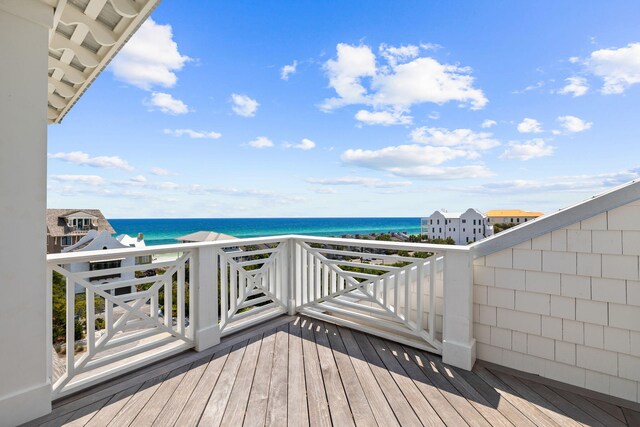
column 300, row 371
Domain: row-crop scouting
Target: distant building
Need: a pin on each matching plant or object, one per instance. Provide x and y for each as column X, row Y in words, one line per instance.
column 511, row 216
column 95, row 241
column 135, row 242
column 65, row 227
column 467, row 227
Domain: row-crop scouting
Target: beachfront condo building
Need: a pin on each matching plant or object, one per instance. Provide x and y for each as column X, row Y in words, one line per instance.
column 466, row 227
column 511, row 216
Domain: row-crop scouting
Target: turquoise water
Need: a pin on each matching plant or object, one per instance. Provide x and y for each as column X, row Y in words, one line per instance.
column 165, row 231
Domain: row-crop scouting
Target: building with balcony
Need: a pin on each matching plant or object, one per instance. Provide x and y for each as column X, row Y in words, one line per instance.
column 65, row 227
column 464, row 228
column 511, row 216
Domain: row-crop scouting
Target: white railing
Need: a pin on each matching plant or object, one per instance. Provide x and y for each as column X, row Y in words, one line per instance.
column 192, row 294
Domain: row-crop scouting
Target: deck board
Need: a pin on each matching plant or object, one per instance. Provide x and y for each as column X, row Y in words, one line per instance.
column 299, row 371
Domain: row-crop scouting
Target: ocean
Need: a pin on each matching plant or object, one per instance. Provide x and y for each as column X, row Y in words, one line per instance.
column 165, row 231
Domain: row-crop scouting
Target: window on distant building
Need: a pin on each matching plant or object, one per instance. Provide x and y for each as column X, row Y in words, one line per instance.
column 467, row 239
column 474, row 222
column 525, row 220
column 511, row 220
column 430, row 222
column 104, row 265
column 517, row 219
column 464, row 221
column 65, row 241
column 463, row 230
column 440, row 230
column 438, row 221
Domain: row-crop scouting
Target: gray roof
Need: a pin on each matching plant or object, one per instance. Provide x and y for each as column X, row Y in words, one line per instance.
column 205, row 236
column 57, row 226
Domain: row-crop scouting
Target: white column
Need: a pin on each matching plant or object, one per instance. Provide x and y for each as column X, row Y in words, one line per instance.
column 25, row 353
column 206, row 298
column 459, row 346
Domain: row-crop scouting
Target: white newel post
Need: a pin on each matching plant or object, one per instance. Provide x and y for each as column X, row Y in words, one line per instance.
column 459, row 346
column 290, row 283
column 207, row 332
column 25, row 386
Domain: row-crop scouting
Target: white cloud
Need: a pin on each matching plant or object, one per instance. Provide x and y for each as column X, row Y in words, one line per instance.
column 243, row 105
column 488, row 123
column 574, row 59
column 359, row 180
column 161, row 172
column 289, row 69
column 573, row 124
column 81, row 158
column 193, row 134
column 261, row 142
column 434, row 115
column 444, row 173
column 576, row 86
column 166, row 103
column 139, row 178
column 405, row 80
column 393, row 54
column 619, row 68
column 150, row 58
column 306, row 144
column 529, row 88
column 529, row 126
column 527, row 150
column 84, row 179
column 396, row 157
column 558, row 184
column 460, row 138
column 385, row 118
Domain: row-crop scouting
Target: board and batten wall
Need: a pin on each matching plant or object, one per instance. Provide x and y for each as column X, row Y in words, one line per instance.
column 566, row 305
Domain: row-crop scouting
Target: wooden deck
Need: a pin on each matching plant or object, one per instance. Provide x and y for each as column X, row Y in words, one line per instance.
column 298, row 371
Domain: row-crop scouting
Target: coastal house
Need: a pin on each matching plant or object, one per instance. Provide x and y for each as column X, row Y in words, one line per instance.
column 549, row 309
column 65, row 227
column 135, row 242
column 464, row 228
column 101, row 241
column 510, row 216
column 209, row 236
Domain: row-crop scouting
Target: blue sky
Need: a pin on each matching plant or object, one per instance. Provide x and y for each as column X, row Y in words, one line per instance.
column 378, row 108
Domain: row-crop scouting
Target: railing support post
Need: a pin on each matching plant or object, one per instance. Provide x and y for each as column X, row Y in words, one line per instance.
column 205, row 273
column 291, row 276
column 458, row 344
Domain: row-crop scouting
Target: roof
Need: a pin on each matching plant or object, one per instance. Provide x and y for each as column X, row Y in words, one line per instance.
column 57, row 226
column 205, row 236
column 86, row 35
column 512, row 213
column 95, row 240
column 619, row 196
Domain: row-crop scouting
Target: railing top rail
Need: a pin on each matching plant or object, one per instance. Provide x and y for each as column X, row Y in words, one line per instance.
column 181, row 247
column 382, row 244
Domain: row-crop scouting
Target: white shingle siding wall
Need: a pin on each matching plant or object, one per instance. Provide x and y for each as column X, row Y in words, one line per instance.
column 566, row 305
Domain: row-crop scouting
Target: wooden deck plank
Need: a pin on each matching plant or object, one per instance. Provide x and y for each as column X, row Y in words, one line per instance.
column 339, row 405
column 130, row 411
column 297, row 412
column 495, row 400
column 156, row 403
column 316, row 395
column 609, row 408
column 401, row 408
column 112, row 407
column 174, row 406
column 197, row 400
column 466, row 410
column 632, row 417
column 277, row 399
column 259, row 397
column 492, row 415
column 84, row 415
column 421, row 406
column 561, row 402
column 530, row 410
column 214, row 410
column 237, row 407
column 358, row 404
column 375, row 396
column 440, row 404
column 534, row 398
